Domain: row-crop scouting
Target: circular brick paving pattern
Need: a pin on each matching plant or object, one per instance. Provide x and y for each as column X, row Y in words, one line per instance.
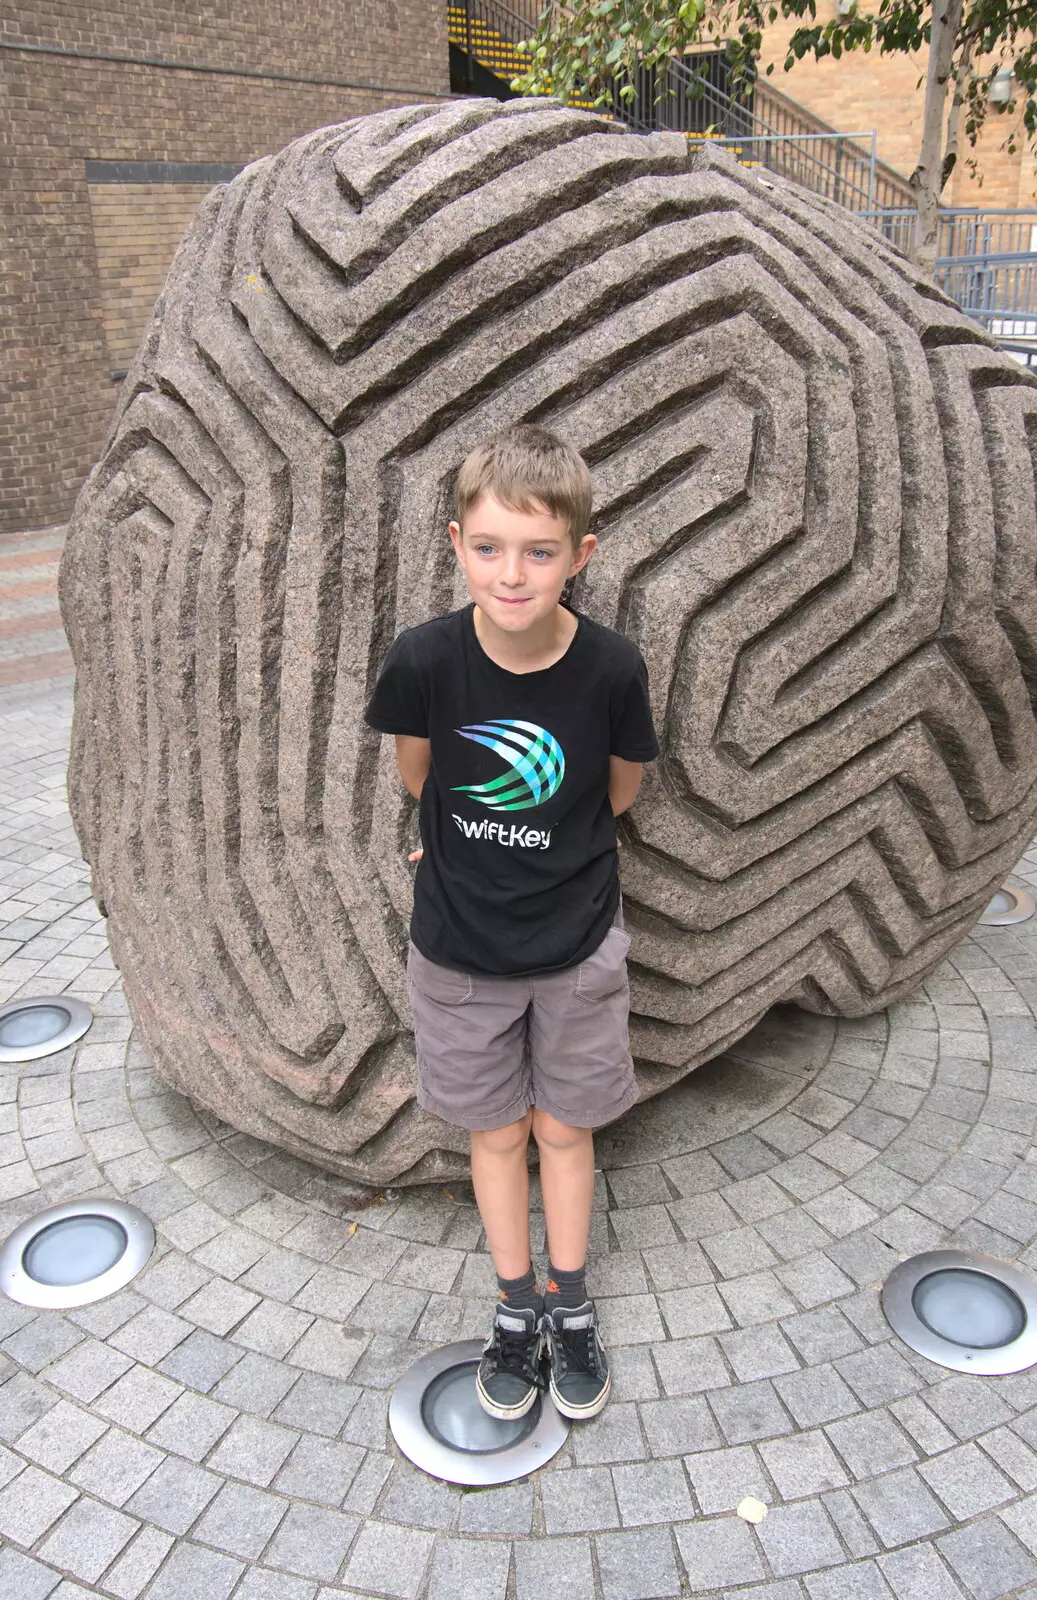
column 220, row 1427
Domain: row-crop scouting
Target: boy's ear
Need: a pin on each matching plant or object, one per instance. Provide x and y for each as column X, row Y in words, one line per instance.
column 582, row 554
column 455, row 538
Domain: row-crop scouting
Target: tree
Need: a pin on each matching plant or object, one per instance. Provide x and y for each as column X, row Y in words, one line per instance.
column 593, row 48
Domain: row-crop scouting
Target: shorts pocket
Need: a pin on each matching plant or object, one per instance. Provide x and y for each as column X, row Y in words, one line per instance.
column 605, row 970
column 442, row 984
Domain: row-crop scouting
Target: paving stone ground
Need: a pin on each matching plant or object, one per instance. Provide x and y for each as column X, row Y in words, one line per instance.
column 219, row 1428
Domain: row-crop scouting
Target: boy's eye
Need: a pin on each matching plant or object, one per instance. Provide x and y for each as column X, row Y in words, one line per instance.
column 489, row 549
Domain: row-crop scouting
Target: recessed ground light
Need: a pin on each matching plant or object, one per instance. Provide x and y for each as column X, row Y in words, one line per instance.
column 438, row 1423
column 74, row 1254
column 41, row 1026
column 1008, row 905
column 969, row 1312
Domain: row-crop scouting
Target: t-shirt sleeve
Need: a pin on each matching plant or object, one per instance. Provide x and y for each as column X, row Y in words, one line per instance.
column 399, row 703
column 633, row 735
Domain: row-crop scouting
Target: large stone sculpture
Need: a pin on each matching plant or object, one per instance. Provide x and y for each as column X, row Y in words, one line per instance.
column 815, row 501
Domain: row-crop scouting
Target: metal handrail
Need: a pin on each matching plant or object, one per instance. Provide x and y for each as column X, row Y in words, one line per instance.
column 1024, row 350
column 1003, row 258
column 791, row 155
column 787, row 116
column 998, row 290
column 963, row 230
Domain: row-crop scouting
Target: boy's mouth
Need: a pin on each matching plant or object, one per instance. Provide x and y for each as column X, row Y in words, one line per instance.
column 519, row 601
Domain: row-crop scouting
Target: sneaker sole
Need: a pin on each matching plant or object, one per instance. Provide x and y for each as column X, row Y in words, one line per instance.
column 504, row 1413
column 580, row 1413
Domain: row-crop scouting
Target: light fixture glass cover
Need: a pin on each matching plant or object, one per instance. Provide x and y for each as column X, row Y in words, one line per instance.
column 33, row 1025
column 74, row 1250
column 963, row 1310
column 76, row 1253
column 41, row 1026
column 969, row 1308
column 451, row 1412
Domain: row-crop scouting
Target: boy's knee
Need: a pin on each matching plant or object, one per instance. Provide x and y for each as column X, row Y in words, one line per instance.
column 504, row 1141
column 547, row 1130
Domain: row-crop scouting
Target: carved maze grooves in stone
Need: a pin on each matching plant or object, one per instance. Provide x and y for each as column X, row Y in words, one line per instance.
column 815, row 501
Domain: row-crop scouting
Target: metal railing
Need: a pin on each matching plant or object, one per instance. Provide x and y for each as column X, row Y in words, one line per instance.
column 694, row 96
column 525, row 12
column 962, row 230
column 1025, row 354
column 509, row 22
column 985, row 260
column 780, row 115
column 687, row 100
column 827, row 163
column 519, row 17
column 1000, row 291
column 694, row 99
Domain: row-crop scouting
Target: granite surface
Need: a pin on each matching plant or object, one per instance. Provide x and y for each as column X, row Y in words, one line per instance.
column 815, row 501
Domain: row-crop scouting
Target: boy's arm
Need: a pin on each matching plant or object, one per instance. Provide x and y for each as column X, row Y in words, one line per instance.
column 624, row 782
column 414, row 759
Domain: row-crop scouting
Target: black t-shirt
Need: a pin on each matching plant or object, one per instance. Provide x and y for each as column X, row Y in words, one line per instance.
column 520, row 873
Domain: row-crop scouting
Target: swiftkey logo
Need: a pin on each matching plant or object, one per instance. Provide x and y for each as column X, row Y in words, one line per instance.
column 511, row 834
column 536, row 765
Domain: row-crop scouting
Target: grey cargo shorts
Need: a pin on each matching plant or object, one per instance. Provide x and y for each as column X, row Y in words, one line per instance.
column 490, row 1048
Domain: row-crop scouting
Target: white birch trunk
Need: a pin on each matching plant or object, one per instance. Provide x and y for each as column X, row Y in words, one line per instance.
column 961, row 88
column 926, row 178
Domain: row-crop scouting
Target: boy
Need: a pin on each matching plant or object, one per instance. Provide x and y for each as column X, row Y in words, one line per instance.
column 522, row 727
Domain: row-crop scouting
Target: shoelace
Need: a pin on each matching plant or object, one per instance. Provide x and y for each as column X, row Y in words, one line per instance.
column 514, row 1352
column 578, row 1348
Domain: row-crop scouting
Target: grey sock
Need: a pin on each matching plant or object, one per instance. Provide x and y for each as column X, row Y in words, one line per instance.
column 566, row 1289
column 521, row 1294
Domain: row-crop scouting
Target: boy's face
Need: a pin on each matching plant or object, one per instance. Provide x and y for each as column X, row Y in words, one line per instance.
column 517, row 564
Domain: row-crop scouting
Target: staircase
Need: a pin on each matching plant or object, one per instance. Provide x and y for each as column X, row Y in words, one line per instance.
column 762, row 127
column 486, row 34
column 483, row 35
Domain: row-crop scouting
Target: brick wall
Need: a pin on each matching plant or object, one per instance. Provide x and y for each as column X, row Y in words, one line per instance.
column 72, row 286
column 861, row 92
column 137, row 227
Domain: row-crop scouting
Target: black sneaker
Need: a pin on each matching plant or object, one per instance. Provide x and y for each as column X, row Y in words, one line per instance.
column 510, row 1373
column 580, row 1377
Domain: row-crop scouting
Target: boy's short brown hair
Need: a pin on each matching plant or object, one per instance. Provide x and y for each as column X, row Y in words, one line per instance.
column 527, row 468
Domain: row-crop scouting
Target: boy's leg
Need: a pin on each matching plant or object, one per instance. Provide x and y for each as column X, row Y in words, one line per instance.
column 509, row 1373
column 567, row 1182
column 471, row 1046
column 500, row 1178
column 583, row 1078
column 580, row 1376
